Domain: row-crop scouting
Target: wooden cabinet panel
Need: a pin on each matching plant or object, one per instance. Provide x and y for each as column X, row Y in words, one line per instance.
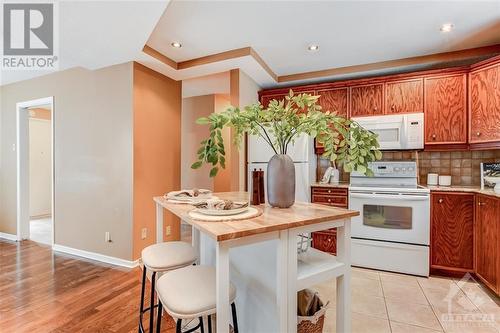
column 367, row 100
column 446, row 109
column 334, row 100
column 325, row 241
column 265, row 99
column 404, row 96
column 487, row 241
column 452, row 230
column 485, row 105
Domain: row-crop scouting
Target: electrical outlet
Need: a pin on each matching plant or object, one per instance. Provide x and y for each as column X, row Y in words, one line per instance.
column 168, row 230
column 144, row 233
column 107, row 237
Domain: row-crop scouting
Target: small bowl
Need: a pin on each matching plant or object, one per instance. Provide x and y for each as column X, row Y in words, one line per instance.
column 444, row 180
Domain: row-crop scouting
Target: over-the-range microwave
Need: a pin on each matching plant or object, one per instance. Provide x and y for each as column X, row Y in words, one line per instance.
column 401, row 131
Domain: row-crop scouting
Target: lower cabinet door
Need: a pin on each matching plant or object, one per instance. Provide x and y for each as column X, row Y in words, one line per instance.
column 487, row 241
column 452, row 232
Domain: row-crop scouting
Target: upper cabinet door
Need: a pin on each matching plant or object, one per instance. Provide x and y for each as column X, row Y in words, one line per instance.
column 446, row 109
column 265, row 99
column 367, row 100
column 334, row 100
column 485, row 104
column 404, row 96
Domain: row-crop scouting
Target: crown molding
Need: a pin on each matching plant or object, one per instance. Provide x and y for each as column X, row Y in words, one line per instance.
column 445, row 57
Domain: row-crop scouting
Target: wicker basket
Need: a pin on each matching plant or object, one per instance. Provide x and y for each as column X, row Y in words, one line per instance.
column 312, row 324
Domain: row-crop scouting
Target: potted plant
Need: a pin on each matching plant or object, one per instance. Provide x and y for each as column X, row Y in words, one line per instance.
column 344, row 141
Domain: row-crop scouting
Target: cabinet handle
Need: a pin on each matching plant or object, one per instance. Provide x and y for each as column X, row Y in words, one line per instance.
column 440, row 200
column 329, row 240
column 393, row 107
column 478, row 133
column 329, row 200
column 481, row 203
column 434, row 136
column 329, row 191
column 375, row 109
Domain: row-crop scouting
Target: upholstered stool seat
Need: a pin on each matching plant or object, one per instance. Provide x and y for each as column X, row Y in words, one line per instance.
column 190, row 292
column 160, row 258
column 167, row 256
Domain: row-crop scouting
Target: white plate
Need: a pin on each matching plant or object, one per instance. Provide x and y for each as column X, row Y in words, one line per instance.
column 221, row 212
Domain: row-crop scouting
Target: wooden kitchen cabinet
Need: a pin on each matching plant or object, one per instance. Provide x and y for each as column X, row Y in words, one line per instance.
column 334, row 100
column 445, row 107
column 326, row 240
column 367, row 100
column 267, row 98
column 452, row 232
column 484, row 104
column 487, row 241
column 404, row 96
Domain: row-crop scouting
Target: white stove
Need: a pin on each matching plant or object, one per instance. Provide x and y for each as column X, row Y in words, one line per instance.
column 392, row 231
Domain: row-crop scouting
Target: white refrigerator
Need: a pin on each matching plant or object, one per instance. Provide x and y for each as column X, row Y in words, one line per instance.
column 302, row 154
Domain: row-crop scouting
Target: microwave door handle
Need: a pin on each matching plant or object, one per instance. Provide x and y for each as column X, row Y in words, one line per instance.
column 389, row 197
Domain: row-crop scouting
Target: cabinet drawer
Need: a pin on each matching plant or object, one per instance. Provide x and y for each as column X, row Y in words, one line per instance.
column 325, row 241
column 329, row 191
column 340, row 201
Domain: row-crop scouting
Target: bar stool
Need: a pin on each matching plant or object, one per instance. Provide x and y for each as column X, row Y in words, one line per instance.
column 189, row 293
column 160, row 258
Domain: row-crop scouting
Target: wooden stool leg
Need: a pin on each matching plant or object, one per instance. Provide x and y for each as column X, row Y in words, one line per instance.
column 152, row 303
column 158, row 320
column 141, row 308
column 235, row 319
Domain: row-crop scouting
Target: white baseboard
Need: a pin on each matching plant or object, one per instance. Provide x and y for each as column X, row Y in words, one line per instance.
column 96, row 256
column 10, row 237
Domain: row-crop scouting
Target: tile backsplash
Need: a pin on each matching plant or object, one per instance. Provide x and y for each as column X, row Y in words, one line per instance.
column 462, row 166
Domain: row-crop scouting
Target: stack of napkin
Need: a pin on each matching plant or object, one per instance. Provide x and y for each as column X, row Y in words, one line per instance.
column 219, row 204
column 193, row 195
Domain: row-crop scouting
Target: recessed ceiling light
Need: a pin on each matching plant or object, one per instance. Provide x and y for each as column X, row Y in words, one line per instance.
column 177, row 45
column 447, row 27
column 313, row 47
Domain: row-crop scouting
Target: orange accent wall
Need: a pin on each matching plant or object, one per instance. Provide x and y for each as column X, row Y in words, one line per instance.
column 157, row 152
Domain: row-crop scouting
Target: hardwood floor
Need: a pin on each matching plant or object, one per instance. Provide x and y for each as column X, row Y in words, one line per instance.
column 44, row 291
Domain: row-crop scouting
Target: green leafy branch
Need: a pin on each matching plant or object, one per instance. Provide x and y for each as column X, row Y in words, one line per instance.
column 345, row 141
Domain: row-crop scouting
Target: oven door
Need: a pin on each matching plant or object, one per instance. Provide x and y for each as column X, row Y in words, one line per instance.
column 394, row 217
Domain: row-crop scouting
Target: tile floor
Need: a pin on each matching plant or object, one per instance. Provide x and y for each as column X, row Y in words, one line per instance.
column 389, row 302
column 41, row 230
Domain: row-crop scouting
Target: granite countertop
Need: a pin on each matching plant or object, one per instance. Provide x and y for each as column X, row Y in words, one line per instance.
column 463, row 188
column 338, row 185
column 452, row 188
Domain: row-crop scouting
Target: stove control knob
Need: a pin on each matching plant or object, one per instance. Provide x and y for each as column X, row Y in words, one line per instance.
column 404, row 169
column 396, row 169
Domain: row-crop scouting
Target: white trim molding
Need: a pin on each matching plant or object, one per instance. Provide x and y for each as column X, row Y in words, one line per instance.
column 95, row 256
column 7, row 236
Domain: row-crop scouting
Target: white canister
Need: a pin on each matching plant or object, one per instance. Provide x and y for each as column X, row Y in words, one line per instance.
column 432, row 179
column 335, row 176
column 444, row 180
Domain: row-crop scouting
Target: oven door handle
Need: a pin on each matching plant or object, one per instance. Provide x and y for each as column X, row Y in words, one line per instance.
column 390, row 197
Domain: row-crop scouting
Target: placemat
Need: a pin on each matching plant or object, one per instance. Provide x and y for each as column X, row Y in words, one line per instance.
column 250, row 213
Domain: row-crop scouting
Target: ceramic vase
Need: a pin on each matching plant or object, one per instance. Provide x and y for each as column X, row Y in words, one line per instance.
column 281, row 181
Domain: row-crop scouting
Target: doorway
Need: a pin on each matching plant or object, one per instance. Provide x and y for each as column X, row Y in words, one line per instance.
column 35, row 170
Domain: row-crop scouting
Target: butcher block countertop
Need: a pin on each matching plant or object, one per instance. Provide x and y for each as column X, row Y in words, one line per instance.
column 463, row 188
column 272, row 219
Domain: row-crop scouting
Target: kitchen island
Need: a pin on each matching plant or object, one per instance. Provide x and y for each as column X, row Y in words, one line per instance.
column 264, row 263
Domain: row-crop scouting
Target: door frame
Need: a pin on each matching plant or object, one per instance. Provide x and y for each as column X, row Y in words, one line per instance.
column 22, row 166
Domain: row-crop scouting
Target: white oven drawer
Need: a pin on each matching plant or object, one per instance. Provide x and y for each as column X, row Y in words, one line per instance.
column 391, row 217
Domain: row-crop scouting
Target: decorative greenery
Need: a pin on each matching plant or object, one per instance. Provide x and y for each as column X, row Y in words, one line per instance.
column 344, row 140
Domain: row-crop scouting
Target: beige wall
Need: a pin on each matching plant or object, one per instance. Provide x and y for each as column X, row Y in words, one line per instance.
column 191, row 136
column 93, row 156
column 40, row 163
column 157, row 151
